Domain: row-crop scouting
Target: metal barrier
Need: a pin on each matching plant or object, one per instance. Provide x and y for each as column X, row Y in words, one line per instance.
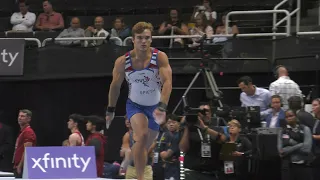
column 28, row 39
column 125, row 43
column 213, row 36
column 287, row 18
column 296, row 11
column 118, row 40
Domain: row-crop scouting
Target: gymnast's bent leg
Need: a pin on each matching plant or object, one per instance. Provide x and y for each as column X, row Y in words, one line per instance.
column 139, row 124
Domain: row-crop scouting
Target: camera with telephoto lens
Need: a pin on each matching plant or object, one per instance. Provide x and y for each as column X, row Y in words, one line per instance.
column 192, row 115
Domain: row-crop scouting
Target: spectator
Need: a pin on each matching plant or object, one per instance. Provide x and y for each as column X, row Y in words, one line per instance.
column 221, row 29
column 96, row 31
column 119, row 29
column 49, row 20
column 205, row 8
column 174, row 26
column 73, row 31
column 201, row 28
column 23, row 20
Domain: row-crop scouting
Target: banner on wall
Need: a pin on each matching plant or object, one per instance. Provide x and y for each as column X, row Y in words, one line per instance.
column 11, row 57
column 59, row 163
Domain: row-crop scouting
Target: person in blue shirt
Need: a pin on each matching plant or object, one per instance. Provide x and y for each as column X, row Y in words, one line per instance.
column 276, row 118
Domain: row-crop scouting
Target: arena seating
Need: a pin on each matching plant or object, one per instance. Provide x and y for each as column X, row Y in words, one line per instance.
column 134, row 11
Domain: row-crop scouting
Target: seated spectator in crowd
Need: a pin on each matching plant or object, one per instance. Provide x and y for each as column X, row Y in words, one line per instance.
column 73, row 31
column 23, row 20
column 201, row 27
column 173, row 26
column 221, row 29
column 205, row 8
column 277, row 116
column 119, row 29
column 96, row 31
column 49, row 20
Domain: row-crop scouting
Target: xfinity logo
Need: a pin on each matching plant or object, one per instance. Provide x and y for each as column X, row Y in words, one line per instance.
column 60, row 162
column 8, row 57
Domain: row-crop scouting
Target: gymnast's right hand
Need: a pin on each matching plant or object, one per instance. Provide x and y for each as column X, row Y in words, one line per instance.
column 109, row 116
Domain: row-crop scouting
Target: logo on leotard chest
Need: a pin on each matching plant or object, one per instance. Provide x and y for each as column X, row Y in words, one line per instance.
column 145, row 81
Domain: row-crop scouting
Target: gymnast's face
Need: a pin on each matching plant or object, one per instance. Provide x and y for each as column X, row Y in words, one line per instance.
column 143, row 40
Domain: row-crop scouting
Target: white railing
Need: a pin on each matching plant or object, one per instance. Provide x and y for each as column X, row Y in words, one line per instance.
column 296, row 11
column 125, row 41
column 287, row 18
column 298, row 19
column 118, row 41
column 28, row 39
column 273, row 34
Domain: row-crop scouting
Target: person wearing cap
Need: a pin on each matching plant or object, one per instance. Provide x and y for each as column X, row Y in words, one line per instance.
column 243, row 151
column 76, row 138
column 95, row 125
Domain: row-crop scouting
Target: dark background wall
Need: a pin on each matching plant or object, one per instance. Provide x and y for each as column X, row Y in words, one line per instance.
column 52, row 101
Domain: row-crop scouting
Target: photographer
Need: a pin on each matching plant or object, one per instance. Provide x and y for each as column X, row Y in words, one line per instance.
column 201, row 143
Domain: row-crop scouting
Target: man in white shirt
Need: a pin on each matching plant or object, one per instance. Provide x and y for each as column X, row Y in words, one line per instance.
column 284, row 86
column 96, row 31
column 23, row 20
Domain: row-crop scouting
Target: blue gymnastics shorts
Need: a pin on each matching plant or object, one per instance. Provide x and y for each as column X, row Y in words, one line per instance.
column 134, row 108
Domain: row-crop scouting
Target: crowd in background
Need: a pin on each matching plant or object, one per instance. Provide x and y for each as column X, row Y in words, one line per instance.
column 204, row 20
column 203, row 139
